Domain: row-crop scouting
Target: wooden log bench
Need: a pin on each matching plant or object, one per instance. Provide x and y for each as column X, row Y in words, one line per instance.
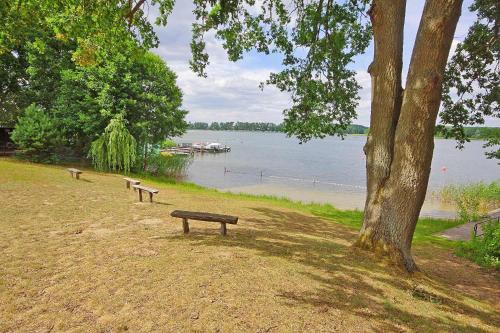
column 208, row 217
column 75, row 172
column 141, row 188
column 129, row 181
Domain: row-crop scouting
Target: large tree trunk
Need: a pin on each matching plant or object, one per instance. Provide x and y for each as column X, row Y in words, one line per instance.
column 387, row 18
column 399, row 152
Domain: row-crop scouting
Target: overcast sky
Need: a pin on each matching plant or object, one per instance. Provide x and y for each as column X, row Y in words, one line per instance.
column 231, row 90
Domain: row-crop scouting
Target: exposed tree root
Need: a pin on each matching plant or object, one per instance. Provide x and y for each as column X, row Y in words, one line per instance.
column 396, row 255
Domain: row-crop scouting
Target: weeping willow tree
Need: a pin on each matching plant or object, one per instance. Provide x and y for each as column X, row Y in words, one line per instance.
column 116, row 148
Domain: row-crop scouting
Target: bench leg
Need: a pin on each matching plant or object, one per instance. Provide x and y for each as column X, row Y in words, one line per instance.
column 185, row 225
column 128, row 185
column 223, row 230
column 150, row 197
column 77, row 176
column 71, row 173
column 140, row 195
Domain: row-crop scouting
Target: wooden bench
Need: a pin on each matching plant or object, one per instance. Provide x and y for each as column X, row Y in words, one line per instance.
column 75, row 172
column 141, row 188
column 129, row 181
column 208, row 217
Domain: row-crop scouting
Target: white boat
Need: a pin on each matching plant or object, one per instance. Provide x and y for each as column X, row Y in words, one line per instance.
column 217, row 147
column 213, row 146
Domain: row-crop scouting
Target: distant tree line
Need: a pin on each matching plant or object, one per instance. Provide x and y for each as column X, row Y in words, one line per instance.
column 259, row 127
column 485, row 133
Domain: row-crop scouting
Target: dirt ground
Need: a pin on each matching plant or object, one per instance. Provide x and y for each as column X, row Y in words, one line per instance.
column 86, row 256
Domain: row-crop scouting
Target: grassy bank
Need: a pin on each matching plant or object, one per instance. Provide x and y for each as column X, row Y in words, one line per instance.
column 86, row 256
column 424, row 233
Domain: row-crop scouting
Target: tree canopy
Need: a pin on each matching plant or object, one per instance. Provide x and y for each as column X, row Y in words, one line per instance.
column 317, row 39
column 85, row 64
column 472, row 82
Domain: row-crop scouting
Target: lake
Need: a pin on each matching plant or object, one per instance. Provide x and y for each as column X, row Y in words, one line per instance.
column 329, row 170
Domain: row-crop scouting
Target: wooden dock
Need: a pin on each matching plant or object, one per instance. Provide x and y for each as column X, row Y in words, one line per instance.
column 188, row 149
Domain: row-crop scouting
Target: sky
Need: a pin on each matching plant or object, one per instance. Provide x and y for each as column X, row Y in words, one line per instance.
column 231, row 91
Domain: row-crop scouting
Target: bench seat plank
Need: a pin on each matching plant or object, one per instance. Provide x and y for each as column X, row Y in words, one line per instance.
column 150, row 190
column 129, row 181
column 75, row 172
column 144, row 188
column 201, row 216
column 132, row 180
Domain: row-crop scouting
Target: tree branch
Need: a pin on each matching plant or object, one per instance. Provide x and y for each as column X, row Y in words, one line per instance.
column 130, row 15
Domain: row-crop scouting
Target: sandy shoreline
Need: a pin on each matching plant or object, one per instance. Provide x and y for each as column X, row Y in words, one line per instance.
column 342, row 200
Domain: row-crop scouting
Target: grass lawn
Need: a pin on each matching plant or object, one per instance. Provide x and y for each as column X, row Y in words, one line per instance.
column 86, row 256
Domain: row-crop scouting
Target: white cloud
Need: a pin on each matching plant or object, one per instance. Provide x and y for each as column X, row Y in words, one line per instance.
column 231, row 91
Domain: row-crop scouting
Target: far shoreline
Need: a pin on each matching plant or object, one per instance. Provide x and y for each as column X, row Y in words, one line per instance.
column 334, row 135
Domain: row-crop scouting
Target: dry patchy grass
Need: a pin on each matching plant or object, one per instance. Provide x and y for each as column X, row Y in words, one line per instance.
column 85, row 256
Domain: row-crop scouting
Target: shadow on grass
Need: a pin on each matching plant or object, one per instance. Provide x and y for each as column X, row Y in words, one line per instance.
column 347, row 277
column 162, row 203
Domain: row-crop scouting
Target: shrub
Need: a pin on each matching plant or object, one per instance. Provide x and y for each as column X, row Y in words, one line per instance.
column 171, row 166
column 473, row 200
column 168, row 144
column 484, row 249
column 116, row 148
column 36, row 136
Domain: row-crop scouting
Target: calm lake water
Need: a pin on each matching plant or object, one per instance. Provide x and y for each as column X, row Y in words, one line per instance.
column 330, row 170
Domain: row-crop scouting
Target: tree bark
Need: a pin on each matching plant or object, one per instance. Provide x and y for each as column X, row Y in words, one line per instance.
column 387, row 19
column 396, row 194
